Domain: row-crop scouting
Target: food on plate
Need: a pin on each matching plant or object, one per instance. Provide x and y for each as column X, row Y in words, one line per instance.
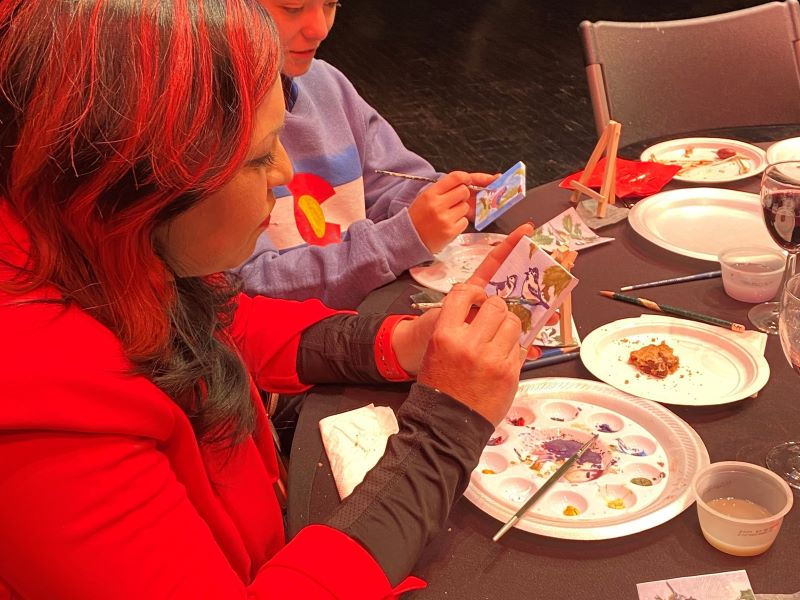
column 657, row 361
column 726, row 153
column 721, row 156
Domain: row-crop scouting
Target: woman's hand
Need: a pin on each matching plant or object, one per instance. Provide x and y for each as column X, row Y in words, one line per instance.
column 499, row 253
column 475, row 360
column 410, row 338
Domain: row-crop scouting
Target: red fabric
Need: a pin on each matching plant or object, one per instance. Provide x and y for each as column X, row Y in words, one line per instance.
column 634, row 178
column 385, row 358
column 104, row 491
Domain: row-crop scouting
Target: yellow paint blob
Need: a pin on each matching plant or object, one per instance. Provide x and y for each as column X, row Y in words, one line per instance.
column 313, row 212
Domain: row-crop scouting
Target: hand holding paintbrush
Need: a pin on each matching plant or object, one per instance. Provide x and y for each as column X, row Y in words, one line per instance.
column 442, row 210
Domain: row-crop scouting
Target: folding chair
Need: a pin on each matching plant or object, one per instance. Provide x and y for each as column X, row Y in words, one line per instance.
column 664, row 78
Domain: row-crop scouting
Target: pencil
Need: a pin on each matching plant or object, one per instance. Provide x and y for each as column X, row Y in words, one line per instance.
column 544, row 487
column 674, row 310
column 695, row 277
column 474, row 188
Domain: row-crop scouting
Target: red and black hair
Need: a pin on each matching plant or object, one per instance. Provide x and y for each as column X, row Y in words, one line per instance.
column 117, row 115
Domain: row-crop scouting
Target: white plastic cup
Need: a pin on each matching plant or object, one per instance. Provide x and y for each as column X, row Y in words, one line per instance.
column 752, row 273
column 746, row 482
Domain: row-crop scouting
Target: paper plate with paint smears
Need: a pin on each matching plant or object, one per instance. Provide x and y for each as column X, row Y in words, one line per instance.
column 456, row 261
column 636, row 476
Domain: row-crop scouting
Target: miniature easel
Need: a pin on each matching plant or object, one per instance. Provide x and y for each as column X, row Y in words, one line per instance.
column 608, row 143
column 566, row 258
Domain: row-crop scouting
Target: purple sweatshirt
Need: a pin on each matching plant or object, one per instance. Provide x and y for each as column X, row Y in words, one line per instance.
column 332, row 133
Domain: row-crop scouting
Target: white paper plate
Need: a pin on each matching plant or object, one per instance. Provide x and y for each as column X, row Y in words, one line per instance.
column 714, row 369
column 685, row 150
column 701, row 222
column 457, row 261
column 672, row 453
column 784, row 150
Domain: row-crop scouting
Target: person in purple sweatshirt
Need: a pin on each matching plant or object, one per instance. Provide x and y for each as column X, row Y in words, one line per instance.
column 339, row 230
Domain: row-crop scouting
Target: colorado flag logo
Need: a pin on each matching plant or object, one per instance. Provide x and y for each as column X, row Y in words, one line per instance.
column 309, row 192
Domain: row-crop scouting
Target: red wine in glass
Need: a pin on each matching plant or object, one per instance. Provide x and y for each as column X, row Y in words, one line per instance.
column 780, row 204
column 782, row 217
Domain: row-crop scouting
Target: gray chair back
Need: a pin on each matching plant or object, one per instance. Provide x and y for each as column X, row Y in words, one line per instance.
column 662, row 78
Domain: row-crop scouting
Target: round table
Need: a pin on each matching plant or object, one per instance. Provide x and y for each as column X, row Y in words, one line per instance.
column 462, row 561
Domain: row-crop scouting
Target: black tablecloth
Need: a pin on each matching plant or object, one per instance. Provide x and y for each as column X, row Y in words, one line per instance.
column 463, row 562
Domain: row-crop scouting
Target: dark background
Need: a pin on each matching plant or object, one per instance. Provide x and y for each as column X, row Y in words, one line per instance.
column 480, row 84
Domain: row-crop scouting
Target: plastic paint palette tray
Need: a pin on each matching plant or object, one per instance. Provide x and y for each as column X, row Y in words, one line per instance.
column 635, row 476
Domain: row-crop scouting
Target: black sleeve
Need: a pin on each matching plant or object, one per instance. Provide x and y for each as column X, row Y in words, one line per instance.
column 405, row 499
column 340, row 349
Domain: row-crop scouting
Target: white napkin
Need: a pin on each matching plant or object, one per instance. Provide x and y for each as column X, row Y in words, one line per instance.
column 355, row 441
column 756, row 341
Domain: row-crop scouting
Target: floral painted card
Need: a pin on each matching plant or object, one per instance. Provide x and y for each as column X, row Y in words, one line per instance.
column 730, row 585
column 567, row 229
column 533, row 284
column 500, row 195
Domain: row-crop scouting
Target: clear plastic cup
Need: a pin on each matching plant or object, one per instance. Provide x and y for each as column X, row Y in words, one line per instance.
column 740, row 506
column 752, row 273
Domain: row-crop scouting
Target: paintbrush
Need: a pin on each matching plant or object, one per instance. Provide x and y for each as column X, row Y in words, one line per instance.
column 509, row 301
column 545, row 486
column 474, row 188
column 552, row 356
column 695, row 277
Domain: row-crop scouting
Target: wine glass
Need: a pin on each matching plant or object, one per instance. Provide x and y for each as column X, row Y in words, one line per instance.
column 780, row 202
column 784, row 458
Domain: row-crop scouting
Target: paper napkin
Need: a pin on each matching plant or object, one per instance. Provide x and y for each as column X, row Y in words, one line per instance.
column 355, row 441
column 634, row 178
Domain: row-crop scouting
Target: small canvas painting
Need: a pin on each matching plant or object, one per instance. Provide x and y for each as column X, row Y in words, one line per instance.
column 533, row 284
column 500, row 195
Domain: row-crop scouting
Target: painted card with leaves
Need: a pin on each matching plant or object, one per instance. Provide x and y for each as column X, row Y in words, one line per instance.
column 567, row 229
column 533, row 284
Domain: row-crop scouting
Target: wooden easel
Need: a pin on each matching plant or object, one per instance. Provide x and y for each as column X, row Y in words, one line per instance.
column 608, row 144
column 566, row 258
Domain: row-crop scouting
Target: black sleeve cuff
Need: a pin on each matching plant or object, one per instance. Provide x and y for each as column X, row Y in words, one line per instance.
column 340, row 349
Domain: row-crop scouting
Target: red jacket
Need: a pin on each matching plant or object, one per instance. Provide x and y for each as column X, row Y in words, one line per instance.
column 105, row 492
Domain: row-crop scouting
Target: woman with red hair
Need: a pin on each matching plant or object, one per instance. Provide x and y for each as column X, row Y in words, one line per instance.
column 139, row 141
